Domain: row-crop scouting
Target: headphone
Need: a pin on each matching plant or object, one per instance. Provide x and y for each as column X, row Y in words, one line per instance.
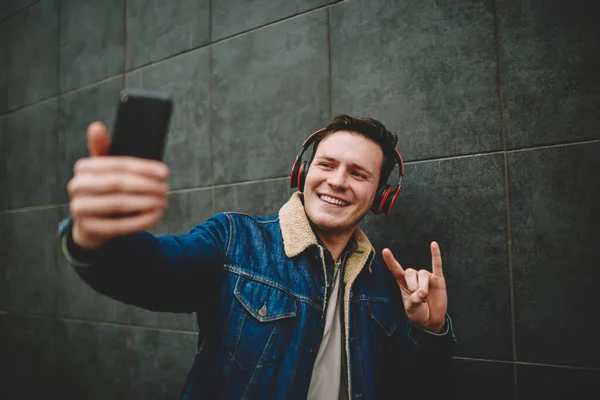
column 385, row 197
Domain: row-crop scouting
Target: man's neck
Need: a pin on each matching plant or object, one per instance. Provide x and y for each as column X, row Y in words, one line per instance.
column 335, row 243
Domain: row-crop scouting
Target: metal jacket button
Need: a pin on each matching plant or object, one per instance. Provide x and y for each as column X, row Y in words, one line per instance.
column 263, row 311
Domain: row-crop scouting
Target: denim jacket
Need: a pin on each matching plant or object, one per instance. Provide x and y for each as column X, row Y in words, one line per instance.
column 258, row 288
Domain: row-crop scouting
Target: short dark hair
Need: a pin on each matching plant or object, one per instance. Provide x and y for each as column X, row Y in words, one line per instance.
column 370, row 128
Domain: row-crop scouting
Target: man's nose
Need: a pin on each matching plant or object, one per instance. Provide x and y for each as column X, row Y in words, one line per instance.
column 337, row 179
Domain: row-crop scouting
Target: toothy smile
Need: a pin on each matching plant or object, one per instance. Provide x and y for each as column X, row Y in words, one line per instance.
column 332, row 200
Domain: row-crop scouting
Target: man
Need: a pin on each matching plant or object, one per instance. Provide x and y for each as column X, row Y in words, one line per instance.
column 290, row 306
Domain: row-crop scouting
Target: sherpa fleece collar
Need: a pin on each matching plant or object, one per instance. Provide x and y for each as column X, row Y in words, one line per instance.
column 298, row 236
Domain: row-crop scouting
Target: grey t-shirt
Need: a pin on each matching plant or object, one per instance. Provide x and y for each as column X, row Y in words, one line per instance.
column 326, row 380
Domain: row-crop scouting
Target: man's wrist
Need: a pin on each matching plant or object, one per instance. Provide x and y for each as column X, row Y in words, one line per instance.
column 84, row 243
column 437, row 330
column 75, row 254
column 431, row 340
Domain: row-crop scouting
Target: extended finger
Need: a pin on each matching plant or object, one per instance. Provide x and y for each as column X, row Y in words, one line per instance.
column 395, row 268
column 115, row 204
column 393, row 265
column 436, row 259
column 116, row 183
column 122, row 164
column 113, row 227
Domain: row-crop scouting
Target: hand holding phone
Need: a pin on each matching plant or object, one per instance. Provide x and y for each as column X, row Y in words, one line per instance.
column 115, row 196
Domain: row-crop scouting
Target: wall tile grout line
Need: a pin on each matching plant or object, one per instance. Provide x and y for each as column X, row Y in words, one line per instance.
column 453, row 157
column 19, row 11
column 59, row 149
column 277, row 178
column 211, row 133
column 483, row 360
column 557, row 366
column 592, row 141
column 125, row 48
column 493, row 152
column 505, row 145
column 210, row 20
column 526, row 363
column 269, row 24
column 59, row 102
column 66, row 93
column 4, row 170
column 128, row 357
column 210, row 113
column 192, row 189
column 127, row 330
column 507, row 199
column 329, row 73
column 58, row 33
column 34, row 208
column 94, row 322
column 7, row 66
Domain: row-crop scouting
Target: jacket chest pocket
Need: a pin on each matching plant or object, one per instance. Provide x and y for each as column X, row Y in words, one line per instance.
column 260, row 316
column 381, row 314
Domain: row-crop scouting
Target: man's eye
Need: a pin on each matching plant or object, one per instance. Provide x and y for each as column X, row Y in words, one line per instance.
column 326, row 165
column 359, row 175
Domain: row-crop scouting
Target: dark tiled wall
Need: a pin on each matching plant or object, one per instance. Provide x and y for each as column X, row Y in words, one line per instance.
column 32, row 43
column 497, row 106
column 98, row 44
column 426, row 68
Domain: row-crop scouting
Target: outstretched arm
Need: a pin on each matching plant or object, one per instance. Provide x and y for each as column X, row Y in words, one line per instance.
column 165, row 273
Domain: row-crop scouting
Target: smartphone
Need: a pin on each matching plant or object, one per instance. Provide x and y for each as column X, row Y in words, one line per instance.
column 141, row 124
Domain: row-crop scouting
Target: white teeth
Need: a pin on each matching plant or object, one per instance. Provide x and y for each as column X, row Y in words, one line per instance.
column 331, row 200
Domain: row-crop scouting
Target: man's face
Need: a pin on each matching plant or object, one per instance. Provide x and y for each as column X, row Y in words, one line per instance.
column 342, row 181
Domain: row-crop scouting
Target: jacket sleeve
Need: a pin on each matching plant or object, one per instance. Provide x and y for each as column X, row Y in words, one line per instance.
column 422, row 359
column 163, row 273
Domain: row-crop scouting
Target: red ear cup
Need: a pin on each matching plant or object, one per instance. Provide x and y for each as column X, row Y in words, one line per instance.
column 382, row 194
column 300, row 168
column 294, row 174
column 388, row 208
column 302, row 172
column 386, row 195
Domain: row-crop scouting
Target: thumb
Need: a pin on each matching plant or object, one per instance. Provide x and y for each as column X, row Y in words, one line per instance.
column 98, row 140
